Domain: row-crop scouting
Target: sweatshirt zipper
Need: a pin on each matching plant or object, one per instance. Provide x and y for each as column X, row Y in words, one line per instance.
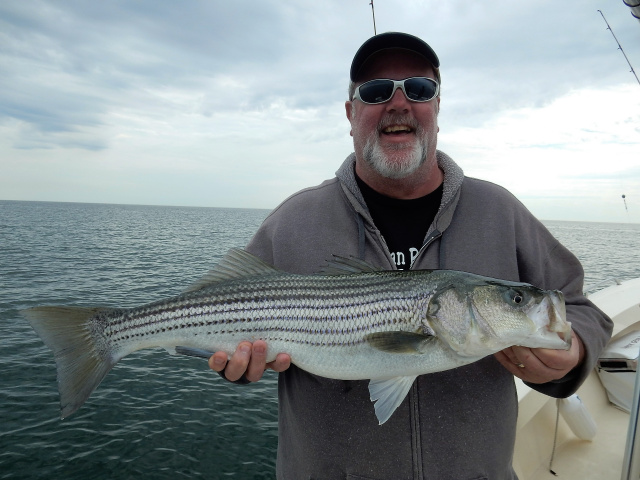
column 414, row 397
column 430, row 239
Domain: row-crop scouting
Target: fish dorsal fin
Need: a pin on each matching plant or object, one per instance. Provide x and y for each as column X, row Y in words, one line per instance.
column 388, row 394
column 347, row 266
column 236, row 263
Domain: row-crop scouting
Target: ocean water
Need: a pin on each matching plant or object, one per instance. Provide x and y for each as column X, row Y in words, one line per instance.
column 156, row 416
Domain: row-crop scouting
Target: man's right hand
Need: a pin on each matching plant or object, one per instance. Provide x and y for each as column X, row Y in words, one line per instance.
column 248, row 360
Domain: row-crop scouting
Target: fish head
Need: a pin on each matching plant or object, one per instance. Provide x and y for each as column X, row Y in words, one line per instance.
column 478, row 316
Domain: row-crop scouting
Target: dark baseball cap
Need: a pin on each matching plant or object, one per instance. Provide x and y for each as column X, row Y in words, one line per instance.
column 391, row 40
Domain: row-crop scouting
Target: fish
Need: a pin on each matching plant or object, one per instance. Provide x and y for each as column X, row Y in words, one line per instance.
column 350, row 321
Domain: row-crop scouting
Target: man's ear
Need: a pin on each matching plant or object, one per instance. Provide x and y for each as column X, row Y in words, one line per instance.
column 348, row 108
column 348, row 105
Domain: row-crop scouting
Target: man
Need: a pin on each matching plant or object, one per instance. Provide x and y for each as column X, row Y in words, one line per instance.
column 397, row 202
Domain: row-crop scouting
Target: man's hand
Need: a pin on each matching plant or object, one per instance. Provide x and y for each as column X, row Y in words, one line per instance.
column 248, row 360
column 541, row 365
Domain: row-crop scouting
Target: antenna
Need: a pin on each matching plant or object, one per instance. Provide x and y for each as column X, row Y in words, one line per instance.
column 614, row 36
column 373, row 12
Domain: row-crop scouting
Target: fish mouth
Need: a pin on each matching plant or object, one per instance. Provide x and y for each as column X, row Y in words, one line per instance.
column 558, row 317
column 550, row 320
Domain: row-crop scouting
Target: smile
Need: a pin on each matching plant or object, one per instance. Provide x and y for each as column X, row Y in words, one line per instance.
column 396, row 129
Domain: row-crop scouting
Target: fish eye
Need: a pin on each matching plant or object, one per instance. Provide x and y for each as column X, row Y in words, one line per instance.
column 515, row 297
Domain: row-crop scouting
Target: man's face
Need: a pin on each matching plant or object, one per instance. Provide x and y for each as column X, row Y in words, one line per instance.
column 396, row 138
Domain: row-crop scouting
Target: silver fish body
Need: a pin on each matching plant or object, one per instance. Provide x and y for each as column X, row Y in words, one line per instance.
column 352, row 322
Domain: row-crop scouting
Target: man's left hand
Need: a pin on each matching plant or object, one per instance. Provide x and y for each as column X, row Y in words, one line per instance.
column 541, row 365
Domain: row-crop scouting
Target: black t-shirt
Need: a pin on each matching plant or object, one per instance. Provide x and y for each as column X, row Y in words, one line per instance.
column 402, row 223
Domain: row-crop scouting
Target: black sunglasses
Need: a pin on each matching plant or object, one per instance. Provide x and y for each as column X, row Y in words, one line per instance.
column 380, row 90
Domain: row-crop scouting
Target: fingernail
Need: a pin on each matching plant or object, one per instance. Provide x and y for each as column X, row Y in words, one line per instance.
column 218, row 361
column 259, row 349
column 245, row 349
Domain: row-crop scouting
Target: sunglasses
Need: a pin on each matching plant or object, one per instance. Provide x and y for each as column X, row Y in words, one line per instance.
column 380, row 90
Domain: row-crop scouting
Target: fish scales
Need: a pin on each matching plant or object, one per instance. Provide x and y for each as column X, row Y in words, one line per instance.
column 309, row 298
column 353, row 322
column 262, row 310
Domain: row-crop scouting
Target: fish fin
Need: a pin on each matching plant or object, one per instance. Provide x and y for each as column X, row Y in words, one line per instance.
column 237, row 263
column 347, row 266
column 81, row 364
column 192, row 352
column 388, row 394
column 399, row 342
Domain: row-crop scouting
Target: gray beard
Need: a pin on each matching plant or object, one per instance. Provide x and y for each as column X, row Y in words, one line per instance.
column 397, row 164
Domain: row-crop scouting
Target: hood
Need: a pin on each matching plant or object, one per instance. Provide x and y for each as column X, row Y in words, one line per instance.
column 453, row 177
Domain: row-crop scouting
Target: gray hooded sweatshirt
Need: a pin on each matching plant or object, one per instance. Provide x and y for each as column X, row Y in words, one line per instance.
column 458, row 424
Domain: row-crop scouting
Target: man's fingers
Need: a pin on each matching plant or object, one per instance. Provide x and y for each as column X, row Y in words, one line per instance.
column 237, row 364
column 249, row 360
column 218, row 361
column 281, row 363
column 509, row 355
column 257, row 363
column 562, row 359
column 510, row 363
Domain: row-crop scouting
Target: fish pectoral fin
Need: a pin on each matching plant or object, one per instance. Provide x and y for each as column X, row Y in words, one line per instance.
column 399, row 342
column 388, row 394
column 191, row 352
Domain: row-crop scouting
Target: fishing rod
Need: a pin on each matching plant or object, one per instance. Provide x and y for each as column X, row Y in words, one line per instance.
column 616, row 39
column 373, row 12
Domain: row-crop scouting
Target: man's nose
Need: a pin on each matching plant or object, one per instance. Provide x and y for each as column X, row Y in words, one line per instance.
column 398, row 102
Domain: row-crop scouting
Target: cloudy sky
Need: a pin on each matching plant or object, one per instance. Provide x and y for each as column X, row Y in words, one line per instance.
column 241, row 103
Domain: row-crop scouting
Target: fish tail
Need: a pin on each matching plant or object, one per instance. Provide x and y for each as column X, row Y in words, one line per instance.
column 81, row 363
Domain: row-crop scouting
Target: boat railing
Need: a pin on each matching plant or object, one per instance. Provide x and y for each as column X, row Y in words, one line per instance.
column 607, row 282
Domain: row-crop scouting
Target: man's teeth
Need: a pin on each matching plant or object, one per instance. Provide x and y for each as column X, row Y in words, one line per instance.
column 397, row 128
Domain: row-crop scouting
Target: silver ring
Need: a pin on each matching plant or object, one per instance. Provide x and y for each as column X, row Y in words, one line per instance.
column 520, row 365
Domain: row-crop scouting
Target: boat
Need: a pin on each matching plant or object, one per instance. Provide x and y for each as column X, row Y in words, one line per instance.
column 547, row 445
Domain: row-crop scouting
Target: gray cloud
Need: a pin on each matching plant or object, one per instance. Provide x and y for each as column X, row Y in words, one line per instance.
column 69, row 63
column 216, row 88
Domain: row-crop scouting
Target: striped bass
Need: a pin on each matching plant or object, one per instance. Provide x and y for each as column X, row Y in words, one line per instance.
column 351, row 322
